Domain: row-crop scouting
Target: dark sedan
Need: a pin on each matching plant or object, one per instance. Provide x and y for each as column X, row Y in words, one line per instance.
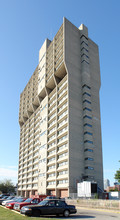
column 49, row 207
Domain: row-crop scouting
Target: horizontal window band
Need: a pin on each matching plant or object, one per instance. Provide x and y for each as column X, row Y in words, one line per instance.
column 87, row 116
column 87, row 132
column 84, row 36
column 89, row 150
column 89, row 158
column 84, row 43
column 84, row 61
column 87, row 141
column 83, row 48
column 85, row 55
column 88, row 109
column 86, row 101
column 86, row 93
column 86, row 86
column 89, row 125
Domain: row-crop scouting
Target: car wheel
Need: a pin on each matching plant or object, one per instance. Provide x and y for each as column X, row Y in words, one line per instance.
column 36, row 213
column 66, row 213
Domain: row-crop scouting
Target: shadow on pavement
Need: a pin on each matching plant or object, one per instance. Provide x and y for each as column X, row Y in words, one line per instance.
column 79, row 217
column 71, row 217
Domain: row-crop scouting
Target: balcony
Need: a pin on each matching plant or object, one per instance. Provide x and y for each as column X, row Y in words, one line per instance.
column 62, row 131
column 62, row 116
column 50, row 139
column 51, row 146
column 51, row 153
column 62, row 167
column 52, row 103
column 64, row 176
column 62, row 124
column 50, row 125
column 52, row 131
column 53, row 109
column 62, row 139
column 63, row 100
column 51, row 169
column 52, row 96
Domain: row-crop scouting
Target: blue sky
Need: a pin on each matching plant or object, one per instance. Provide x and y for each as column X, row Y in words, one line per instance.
column 24, row 25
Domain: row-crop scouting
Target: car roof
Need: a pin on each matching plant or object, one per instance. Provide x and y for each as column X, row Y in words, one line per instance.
column 54, row 199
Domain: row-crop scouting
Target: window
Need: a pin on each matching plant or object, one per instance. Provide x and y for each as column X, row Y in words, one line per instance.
column 60, row 203
column 86, row 101
column 44, row 107
column 43, row 160
column 83, row 42
column 89, row 125
column 84, row 61
column 84, row 49
column 51, row 174
column 84, row 55
column 86, row 86
column 63, row 163
column 51, row 183
column 87, row 141
column 51, row 152
column 43, row 146
column 63, row 155
column 86, row 132
column 52, row 144
column 89, row 150
column 63, row 172
column 51, row 167
column 89, row 158
column 89, row 168
column 61, row 139
column 88, row 109
column 63, row 146
column 51, row 203
column 62, row 181
column 42, row 133
column 86, row 93
column 51, row 159
column 83, row 36
column 41, row 174
column 87, row 116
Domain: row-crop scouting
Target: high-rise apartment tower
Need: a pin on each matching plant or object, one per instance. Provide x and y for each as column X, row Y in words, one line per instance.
column 59, row 116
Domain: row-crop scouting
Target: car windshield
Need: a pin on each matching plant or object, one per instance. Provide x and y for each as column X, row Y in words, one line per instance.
column 28, row 200
column 44, row 202
column 15, row 199
column 20, row 200
column 4, row 197
column 10, row 197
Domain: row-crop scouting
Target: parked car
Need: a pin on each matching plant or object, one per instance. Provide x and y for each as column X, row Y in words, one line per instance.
column 49, row 207
column 11, row 204
column 3, row 198
column 29, row 201
column 10, row 198
column 4, row 194
column 52, row 197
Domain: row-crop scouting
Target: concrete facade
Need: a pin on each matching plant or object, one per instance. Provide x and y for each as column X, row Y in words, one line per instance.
column 59, row 116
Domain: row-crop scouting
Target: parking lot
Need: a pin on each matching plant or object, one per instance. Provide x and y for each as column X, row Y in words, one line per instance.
column 82, row 213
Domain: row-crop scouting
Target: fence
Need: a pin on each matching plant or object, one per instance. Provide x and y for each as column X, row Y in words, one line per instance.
column 96, row 203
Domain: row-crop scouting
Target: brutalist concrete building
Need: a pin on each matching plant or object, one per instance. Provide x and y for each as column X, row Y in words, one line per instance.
column 59, row 117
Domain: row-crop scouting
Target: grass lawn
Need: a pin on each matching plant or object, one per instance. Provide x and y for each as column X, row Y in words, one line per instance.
column 6, row 214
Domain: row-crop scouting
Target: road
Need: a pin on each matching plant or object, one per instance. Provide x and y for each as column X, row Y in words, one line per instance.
column 88, row 214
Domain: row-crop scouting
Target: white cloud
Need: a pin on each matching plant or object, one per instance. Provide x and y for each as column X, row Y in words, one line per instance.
column 13, row 167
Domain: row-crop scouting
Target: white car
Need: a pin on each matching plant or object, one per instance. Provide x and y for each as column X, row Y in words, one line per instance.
column 8, row 200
